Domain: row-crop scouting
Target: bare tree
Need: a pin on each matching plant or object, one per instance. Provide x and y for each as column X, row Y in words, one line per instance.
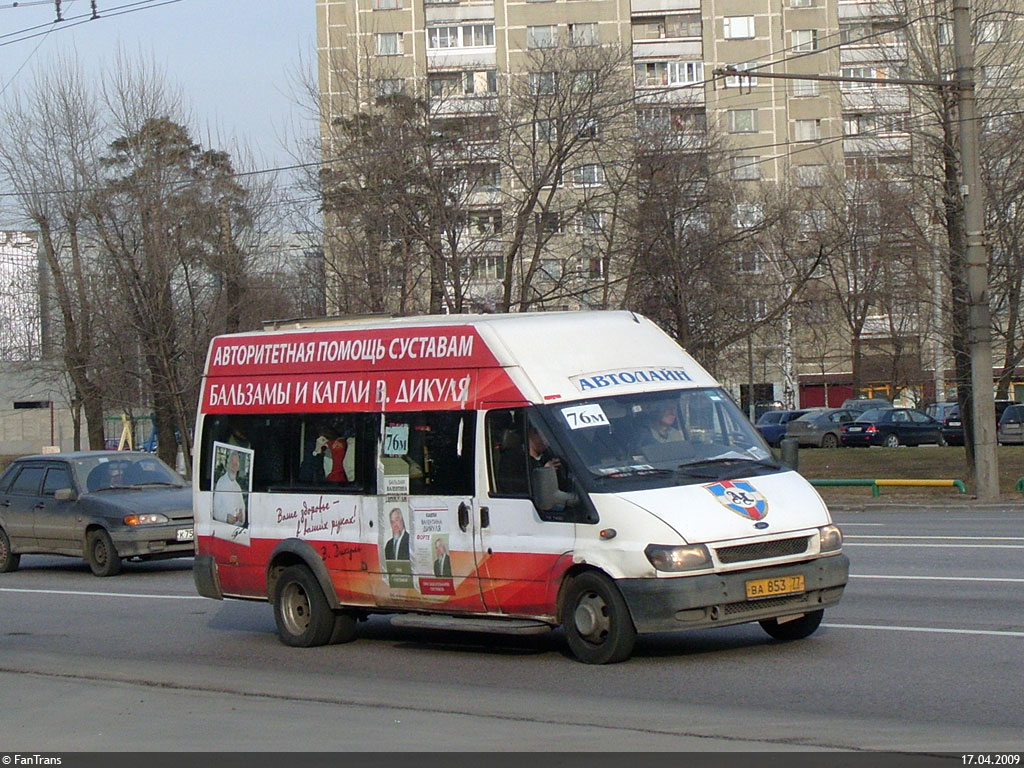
column 47, row 155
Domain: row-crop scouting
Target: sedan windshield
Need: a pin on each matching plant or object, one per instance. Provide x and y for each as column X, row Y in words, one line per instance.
column 682, row 436
column 124, row 470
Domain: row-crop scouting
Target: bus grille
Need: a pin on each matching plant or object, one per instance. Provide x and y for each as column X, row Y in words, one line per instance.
column 732, row 609
column 763, row 549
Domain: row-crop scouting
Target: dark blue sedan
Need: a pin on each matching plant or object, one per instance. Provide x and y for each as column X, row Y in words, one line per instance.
column 892, row 427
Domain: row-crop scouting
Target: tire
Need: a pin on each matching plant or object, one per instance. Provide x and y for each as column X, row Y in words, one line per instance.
column 303, row 617
column 597, row 623
column 941, row 442
column 797, row 629
column 344, row 630
column 829, row 441
column 8, row 560
column 100, row 553
column 891, row 441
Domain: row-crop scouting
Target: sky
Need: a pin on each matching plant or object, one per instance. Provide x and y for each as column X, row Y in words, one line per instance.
column 234, row 60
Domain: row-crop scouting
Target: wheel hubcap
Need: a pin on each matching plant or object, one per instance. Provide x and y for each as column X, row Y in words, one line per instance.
column 295, row 608
column 591, row 618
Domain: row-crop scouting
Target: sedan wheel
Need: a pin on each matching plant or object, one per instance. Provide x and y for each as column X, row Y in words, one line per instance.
column 892, row 441
column 829, row 441
column 8, row 560
column 101, row 554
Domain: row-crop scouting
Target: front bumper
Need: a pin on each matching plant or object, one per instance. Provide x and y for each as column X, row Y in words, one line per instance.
column 155, row 541
column 719, row 599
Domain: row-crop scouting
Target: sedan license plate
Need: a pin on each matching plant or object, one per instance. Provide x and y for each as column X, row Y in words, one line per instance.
column 853, row 429
column 780, row 585
column 955, row 424
column 185, row 534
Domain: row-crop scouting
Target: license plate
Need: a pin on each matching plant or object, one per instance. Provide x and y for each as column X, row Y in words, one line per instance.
column 954, row 424
column 185, row 534
column 780, row 585
column 854, row 429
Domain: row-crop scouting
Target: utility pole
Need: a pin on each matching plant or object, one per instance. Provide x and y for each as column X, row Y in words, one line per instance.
column 986, row 461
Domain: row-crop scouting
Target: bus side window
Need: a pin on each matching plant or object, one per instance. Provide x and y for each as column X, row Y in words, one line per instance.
column 440, row 455
column 506, row 440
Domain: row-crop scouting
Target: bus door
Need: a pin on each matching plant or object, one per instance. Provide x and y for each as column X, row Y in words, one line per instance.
column 524, row 551
column 426, row 513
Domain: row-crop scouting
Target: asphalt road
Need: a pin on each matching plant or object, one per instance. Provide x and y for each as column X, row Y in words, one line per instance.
column 925, row 653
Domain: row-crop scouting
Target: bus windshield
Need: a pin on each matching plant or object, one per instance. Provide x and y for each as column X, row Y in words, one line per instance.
column 681, row 436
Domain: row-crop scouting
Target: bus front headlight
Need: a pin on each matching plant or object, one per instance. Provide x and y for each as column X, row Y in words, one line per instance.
column 673, row 559
column 830, row 538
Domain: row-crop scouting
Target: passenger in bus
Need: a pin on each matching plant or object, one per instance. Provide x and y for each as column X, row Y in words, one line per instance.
column 338, row 446
column 397, row 547
column 540, row 451
column 312, row 471
column 663, row 427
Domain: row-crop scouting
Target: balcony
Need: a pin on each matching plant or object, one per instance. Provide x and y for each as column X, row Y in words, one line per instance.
column 896, row 144
column 670, row 6
column 875, row 98
column 667, row 49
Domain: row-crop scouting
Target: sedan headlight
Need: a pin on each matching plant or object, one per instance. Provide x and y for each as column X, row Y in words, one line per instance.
column 147, row 519
column 691, row 557
column 830, row 538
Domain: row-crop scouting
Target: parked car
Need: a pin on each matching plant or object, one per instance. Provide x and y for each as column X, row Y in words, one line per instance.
column 861, row 404
column 1010, row 430
column 772, row 425
column 948, row 414
column 103, row 506
column 892, row 427
column 820, row 428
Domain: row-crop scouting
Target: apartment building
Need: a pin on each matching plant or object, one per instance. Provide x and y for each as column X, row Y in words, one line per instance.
column 801, row 133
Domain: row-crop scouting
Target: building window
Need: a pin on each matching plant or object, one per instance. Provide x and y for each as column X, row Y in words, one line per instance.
column 465, row 36
column 682, row 25
column 801, row 4
column 738, row 27
column 748, row 215
column 584, row 81
column 480, row 83
column 803, row 88
column 811, row 221
column 545, row 131
column 587, row 128
column 805, row 40
column 389, row 44
column 738, row 81
column 749, row 262
column 990, row 31
column 809, row 175
column 742, row 121
column 487, row 176
column 746, row 167
column 806, row 130
column 542, row 36
column 583, row 34
column 591, row 222
column 548, row 222
column 591, row 175
column 381, row 5
column 661, row 73
column 390, row 86
column 542, row 82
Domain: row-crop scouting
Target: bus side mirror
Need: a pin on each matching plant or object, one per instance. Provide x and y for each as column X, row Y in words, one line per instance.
column 545, row 492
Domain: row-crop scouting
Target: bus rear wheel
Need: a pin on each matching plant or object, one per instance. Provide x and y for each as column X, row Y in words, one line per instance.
column 303, row 617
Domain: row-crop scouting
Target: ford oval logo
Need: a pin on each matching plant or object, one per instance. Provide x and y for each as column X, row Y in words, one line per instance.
column 761, row 526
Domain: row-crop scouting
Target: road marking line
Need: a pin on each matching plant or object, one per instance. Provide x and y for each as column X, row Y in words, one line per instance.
column 938, row 578
column 101, row 594
column 932, row 630
column 939, row 538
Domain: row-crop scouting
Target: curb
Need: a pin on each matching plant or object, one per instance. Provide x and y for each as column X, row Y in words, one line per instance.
column 954, row 506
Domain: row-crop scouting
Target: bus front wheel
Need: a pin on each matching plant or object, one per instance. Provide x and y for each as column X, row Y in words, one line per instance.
column 303, row 617
column 597, row 623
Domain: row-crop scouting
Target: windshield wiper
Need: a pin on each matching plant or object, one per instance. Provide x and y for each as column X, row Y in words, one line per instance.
column 635, row 472
column 722, row 460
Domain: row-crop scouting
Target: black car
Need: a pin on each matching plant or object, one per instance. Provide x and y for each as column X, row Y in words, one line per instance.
column 948, row 414
column 892, row 427
column 104, row 506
